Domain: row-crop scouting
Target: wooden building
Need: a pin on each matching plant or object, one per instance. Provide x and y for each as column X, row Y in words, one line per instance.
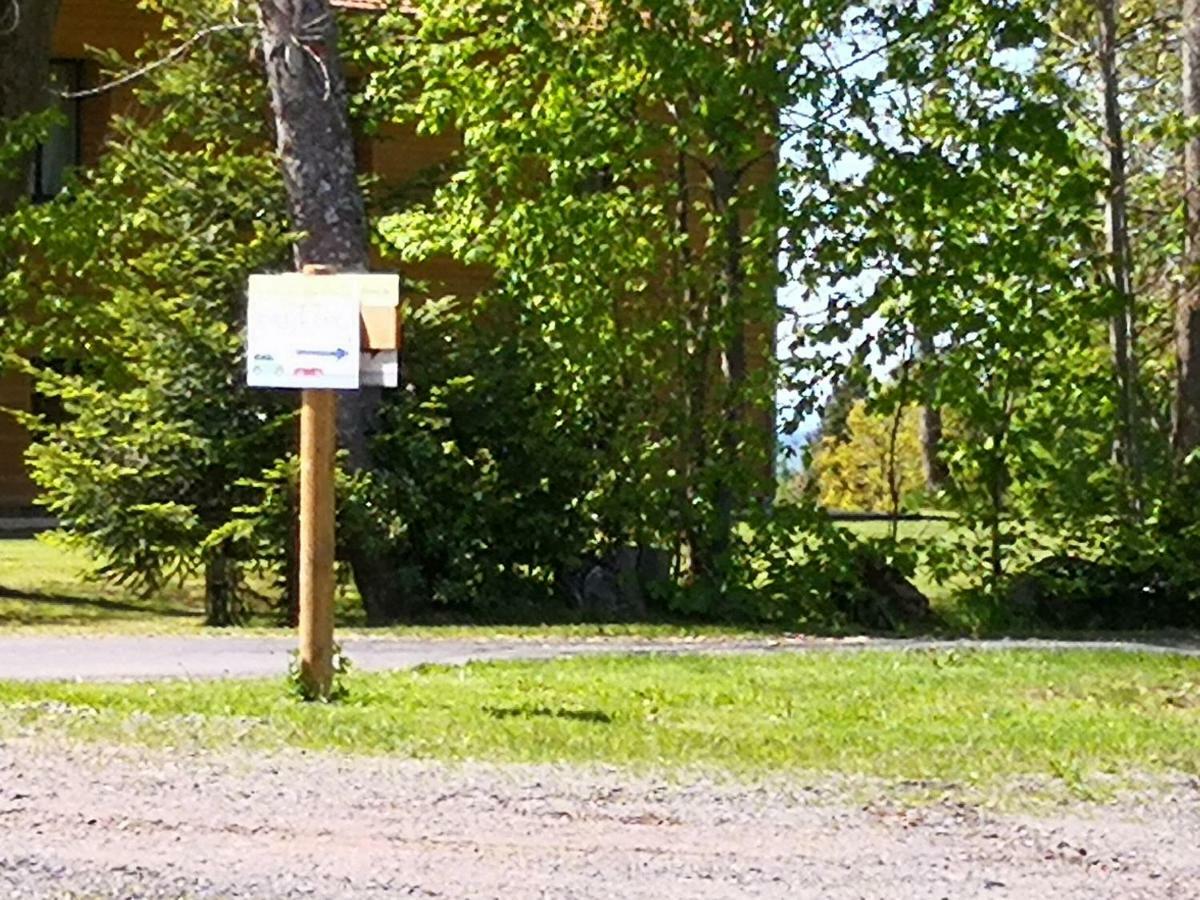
column 397, row 155
column 87, row 25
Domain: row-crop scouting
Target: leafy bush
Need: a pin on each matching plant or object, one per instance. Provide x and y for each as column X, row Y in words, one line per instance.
column 483, row 487
column 1075, row 593
column 1121, row 574
column 793, row 567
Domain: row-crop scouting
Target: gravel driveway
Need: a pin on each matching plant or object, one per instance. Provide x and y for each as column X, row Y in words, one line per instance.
column 116, row 658
column 120, row 822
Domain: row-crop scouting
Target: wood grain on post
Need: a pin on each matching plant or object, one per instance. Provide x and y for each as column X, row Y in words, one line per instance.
column 318, row 438
column 318, row 504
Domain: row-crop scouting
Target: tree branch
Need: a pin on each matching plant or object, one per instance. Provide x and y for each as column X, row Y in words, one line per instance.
column 175, row 54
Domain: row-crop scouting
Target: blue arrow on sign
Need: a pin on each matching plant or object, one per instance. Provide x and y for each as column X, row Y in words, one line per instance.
column 339, row 353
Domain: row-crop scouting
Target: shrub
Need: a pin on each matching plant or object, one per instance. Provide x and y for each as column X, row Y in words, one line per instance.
column 793, row 567
column 1072, row 592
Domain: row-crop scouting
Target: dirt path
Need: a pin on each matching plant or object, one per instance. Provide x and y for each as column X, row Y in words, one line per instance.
column 108, row 822
column 113, row 658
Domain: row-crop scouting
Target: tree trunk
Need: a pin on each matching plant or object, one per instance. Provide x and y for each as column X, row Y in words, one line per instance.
column 221, row 608
column 316, row 153
column 1185, row 412
column 1122, row 325
column 933, row 464
column 997, row 486
column 732, row 327
column 26, row 38
column 696, row 355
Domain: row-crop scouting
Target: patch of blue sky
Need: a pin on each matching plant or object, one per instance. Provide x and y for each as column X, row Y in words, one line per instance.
column 859, row 57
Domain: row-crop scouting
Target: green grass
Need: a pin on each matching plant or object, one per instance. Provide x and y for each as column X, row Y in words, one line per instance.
column 43, row 590
column 42, row 585
column 958, row 722
column 920, row 530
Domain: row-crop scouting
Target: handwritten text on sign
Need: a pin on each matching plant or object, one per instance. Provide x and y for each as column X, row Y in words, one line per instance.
column 303, row 330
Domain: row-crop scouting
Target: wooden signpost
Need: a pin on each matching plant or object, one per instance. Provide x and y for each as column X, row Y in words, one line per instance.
column 321, row 332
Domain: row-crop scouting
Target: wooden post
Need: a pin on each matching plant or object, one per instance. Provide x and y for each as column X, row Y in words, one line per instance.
column 318, row 504
column 318, row 441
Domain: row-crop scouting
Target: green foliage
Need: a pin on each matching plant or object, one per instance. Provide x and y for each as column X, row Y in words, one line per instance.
column 339, row 690
column 793, row 568
column 484, row 481
column 128, row 294
column 630, row 178
column 975, row 273
column 788, row 568
column 631, row 240
column 875, row 467
column 19, row 137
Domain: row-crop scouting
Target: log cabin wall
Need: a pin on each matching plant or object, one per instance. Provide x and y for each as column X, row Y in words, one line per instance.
column 82, row 24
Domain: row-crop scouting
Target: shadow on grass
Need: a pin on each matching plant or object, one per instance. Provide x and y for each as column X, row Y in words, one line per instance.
column 92, row 603
column 532, row 712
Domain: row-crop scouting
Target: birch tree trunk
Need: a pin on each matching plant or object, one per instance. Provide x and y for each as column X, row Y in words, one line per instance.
column 1185, row 413
column 26, row 39
column 1122, row 325
column 316, row 154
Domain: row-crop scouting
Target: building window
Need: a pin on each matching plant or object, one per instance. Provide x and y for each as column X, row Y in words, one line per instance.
column 61, row 150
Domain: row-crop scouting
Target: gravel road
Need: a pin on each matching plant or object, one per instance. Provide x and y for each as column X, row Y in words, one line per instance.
column 120, row 822
column 113, row 658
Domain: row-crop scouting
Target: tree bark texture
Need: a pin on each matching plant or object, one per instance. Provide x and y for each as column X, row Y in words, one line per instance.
column 221, row 601
column 26, row 39
column 1122, row 325
column 725, row 184
column 1185, row 413
column 933, row 463
column 316, row 154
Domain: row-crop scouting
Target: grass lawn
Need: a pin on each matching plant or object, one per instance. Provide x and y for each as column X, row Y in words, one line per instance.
column 961, row 723
column 911, row 529
column 43, row 590
column 42, row 585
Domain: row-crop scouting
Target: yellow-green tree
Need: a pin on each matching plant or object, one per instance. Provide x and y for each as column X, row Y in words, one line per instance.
column 875, row 467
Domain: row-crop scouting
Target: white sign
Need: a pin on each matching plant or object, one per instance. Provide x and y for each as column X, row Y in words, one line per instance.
column 302, row 331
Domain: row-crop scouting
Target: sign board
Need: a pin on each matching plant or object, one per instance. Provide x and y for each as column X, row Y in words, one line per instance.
column 303, row 331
